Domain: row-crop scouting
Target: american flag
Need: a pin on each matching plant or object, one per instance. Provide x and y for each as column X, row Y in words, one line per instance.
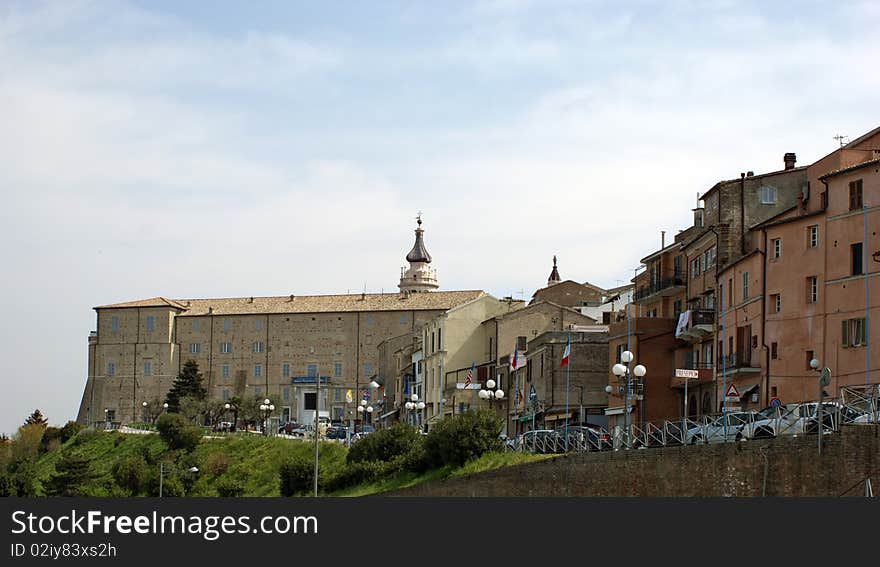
column 470, row 376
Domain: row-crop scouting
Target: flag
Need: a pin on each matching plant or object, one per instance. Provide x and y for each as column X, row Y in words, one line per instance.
column 566, row 354
column 519, row 396
column 470, row 376
column 348, row 397
column 517, row 359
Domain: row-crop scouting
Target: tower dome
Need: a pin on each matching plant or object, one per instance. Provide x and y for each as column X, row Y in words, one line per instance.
column 420, row 276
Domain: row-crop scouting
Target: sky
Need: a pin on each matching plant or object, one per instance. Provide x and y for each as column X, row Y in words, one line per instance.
column 233, row 149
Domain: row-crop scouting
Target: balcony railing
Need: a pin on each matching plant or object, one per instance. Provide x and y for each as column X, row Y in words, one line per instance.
column 691, row 364
column 660, row 285
column 735, row 361
column 695, row 324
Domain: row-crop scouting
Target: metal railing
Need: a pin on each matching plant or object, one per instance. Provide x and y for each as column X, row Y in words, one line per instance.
column 855, row 405
column 659, row 285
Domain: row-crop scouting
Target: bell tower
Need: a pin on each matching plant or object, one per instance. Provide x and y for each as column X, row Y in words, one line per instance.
column 420, row 276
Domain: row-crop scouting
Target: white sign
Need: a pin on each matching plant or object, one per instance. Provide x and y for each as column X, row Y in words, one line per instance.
column 684, row 373
column 731, row 408
column 471, row 386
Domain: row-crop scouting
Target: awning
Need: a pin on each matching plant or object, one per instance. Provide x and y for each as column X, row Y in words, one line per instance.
column 558, row 416
column 616, row 411
column 392, row 412
column 749, row 390
column 524, row 418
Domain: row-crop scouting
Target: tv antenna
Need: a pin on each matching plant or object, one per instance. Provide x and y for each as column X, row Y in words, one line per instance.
column 840, row 139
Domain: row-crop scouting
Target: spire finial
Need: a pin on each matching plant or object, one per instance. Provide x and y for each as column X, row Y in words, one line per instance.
column 554, row 260
column 554, row 274
column 419, row 219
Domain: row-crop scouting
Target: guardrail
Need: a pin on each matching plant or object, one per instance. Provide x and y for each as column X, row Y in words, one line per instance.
column 855, row 405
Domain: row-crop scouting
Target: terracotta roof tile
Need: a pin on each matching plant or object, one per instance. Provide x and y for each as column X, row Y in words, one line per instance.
column 425, row 301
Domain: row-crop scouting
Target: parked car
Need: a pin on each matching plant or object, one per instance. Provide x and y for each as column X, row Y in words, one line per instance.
column 798, row 419
column 293, row 429
column 538, row 441
column 582, row 438
column 721, row 429
column 336, row 432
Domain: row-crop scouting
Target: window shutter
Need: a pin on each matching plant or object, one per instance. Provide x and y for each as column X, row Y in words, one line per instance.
column 844, row 333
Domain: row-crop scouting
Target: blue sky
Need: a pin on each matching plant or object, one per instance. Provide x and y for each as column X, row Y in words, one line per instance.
column 199, row 149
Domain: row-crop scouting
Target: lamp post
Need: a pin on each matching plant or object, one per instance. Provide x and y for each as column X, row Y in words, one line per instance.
column 624, row 375
column 490, row 393
column 375, row 386
column 415, row 406
column 266, row 409
column 172, row 469
column 234, row 407
column 824, row 380
column 146, row 419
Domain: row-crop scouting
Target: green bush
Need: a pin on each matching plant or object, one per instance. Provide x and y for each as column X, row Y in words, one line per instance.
column 85, row 436
column 177, row 433
column 70, row 430
column 296, row 476
column 415, row 460
column 384, row 445
column 456, row 440
column 357, row 473
column 228, row 487
column 131, row 473
column 52, row 438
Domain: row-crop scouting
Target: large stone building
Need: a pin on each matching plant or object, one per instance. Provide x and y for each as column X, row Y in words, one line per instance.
column 257, row 346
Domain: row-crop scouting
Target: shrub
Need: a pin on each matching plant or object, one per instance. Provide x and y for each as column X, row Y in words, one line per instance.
column 51, row 439
column 415, row 460
column 359, row 472
column 27, row 441
column 296, row 476
column 228, row 487
column 384, row 445
column 85, row 436
column 131, row 473
column 456, row 440
column 217, row 463
column 70, row 430
column 177, row 432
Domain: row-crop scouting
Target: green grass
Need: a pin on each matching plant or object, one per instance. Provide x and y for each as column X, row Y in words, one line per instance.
column 251, row 460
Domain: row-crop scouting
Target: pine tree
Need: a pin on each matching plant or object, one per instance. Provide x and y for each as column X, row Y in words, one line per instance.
column 187, row 383
column 36, row 418
column 72, row 474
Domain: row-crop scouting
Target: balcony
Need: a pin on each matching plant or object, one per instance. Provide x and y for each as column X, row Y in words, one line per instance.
column 738, row 363
column 661, row 287
column 695, row 324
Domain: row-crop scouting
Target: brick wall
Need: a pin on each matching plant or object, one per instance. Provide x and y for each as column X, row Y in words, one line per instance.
column 793, row 468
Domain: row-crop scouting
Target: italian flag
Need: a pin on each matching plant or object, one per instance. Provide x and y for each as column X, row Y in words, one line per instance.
column 566, row 354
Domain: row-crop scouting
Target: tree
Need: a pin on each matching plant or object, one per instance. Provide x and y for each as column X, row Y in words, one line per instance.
column 27, row 441
column 455, row 440
column 187, row 383
column 36, row 418
column 131, row 473
column 71, row 475
column 177, row 432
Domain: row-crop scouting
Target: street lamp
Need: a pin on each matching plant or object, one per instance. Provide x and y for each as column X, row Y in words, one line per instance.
column 623, row 373
column 415, row 406
column 234, row 408
column 824, row 380
column 266, row 409
column 490, row 393
column 173, row 469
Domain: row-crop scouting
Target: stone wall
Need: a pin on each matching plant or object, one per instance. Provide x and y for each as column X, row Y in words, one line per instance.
column 791, row 464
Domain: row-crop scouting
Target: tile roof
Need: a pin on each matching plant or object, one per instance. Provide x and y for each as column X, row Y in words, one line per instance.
column 424, row 301
column 852, row 167
column 152, row 302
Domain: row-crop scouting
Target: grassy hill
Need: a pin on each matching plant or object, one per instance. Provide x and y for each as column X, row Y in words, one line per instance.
column 249, row 463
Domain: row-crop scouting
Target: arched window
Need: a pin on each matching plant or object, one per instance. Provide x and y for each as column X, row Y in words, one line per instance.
column 707, row 404
column 692, row 406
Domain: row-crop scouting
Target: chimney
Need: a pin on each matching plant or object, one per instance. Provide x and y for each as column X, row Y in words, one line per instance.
column 790, row 159
column 662, row 239
column 291, row 297
column 750, row 173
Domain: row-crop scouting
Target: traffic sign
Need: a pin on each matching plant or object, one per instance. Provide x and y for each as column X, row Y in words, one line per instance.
column 732, row 392
column 775, row 402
